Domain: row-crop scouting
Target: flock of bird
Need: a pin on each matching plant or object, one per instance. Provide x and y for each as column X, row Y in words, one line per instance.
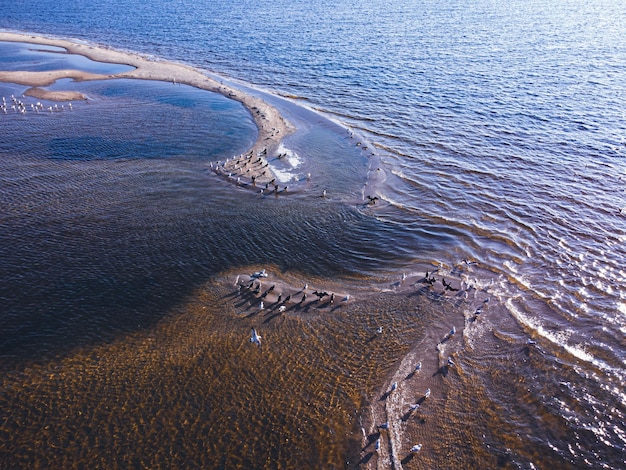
column 248, row 170
column 254, row 287
column 19, row 107
column 394, row 386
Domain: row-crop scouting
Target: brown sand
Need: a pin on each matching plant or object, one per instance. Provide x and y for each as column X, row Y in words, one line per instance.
column 271, row 125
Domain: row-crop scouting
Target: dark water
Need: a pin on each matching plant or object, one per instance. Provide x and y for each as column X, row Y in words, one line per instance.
column 500, row 129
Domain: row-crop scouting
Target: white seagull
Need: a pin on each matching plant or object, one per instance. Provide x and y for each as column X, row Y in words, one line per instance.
column 418, row 367
column 426, row 395
column 416, row 448
column 255, row 338
column 260, row 273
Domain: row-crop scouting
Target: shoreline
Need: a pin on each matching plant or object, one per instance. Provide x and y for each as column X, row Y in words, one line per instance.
column 272, row 126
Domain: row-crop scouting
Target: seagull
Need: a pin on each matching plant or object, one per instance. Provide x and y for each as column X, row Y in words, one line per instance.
column 282, row 308
column 427, row 394
column 451, row 362
column 384, row 425
column 394, row 386
column 346, row 298
column 261, row 306
column 255, row 338
column 260, row 273
column 379, row 330
column 452, row 331
column 414, row 407
column 418, row 367
column 377, row 447
column 416, row 448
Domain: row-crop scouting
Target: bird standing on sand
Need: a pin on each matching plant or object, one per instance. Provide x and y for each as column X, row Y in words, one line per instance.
column 427, row 394
column 416, row 448
column 394, row 386
column 414, row 407
column 255, row 338
column 384, row 425
column 418, row 367
column 303, row 298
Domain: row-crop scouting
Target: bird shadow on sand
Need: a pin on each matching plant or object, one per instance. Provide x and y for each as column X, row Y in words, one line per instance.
column 366, row 458
column 407, row 459
column 443, row 371
column 410, row 375
column 371, row 439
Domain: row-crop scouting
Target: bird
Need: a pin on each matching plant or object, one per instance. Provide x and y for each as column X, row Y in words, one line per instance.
column 324, row 193
column 303, row 298
column 418, row 367
column 427, row 393
column 332, row 298
column 261, row 306
column 394, row 386
column 255, row 338
column 377, row 446
column 414, row 407
column 346, row 298
column 416, row 448
column 452, row 331
column 282, row 308
column 451, row 362
column 379, row 330
column 384, row 425
column 260, row 273
column 280, row 296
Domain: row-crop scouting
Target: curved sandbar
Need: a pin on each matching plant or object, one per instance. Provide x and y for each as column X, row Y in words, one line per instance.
column 271, row 125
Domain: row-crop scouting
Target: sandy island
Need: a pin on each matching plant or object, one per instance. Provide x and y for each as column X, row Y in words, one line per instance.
column 271, row 125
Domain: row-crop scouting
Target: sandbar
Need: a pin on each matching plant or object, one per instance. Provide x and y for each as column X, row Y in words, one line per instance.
column 272, row 126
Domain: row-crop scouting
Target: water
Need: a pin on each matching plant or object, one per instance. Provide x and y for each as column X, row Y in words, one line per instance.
column 501, row 130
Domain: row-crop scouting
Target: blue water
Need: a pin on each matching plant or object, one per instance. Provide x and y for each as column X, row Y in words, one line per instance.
column 501, row 129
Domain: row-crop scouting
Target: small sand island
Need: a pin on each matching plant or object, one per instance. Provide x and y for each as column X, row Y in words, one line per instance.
column 271, row 125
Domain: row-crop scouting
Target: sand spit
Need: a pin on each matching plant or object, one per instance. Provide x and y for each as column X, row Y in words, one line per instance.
column 271, row 125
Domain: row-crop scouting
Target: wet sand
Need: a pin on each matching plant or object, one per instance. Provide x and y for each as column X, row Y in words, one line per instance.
column 195, row 391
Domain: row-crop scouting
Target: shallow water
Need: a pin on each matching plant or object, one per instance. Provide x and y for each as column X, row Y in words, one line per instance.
column 500, row 130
